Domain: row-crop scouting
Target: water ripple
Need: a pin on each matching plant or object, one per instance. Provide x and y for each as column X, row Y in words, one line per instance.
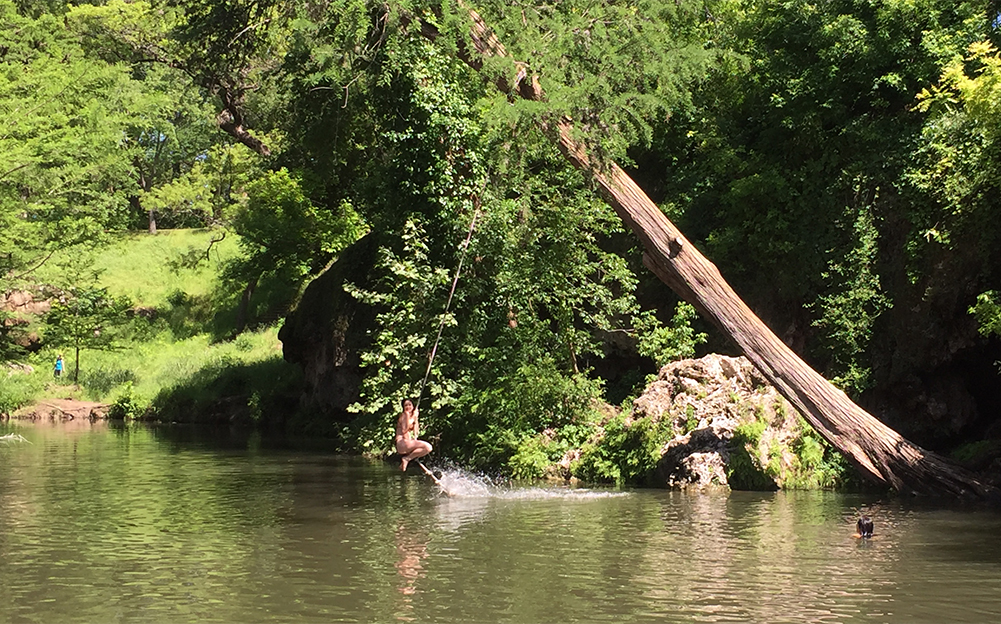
column 139, row 525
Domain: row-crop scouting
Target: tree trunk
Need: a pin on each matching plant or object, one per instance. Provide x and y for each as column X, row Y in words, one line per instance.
column 230, row 118
column 243, row 312
column 76, row 364
column 880, row 453
column 137, row 206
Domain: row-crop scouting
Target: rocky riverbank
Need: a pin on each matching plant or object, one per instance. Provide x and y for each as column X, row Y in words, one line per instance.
column 62, row 409
column 731, row 428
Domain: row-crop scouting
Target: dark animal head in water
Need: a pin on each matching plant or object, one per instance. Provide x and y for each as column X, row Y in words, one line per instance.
column 865, row 526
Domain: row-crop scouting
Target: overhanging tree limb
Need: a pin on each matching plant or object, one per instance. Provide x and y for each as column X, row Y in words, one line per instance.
column 879, row 452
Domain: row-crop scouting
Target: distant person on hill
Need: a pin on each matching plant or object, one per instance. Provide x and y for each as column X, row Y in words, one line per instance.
column 58, row 372
column 407, row 430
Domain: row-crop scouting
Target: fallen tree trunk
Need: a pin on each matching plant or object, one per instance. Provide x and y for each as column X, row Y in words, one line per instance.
column 880, row 453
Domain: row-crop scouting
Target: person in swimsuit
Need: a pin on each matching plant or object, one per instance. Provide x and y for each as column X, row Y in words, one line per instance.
column 407, row 430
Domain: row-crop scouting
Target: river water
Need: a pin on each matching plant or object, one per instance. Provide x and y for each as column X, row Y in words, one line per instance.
column 135, row 524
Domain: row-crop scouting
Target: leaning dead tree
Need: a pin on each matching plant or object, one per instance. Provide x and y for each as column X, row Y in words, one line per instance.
column 880, row 453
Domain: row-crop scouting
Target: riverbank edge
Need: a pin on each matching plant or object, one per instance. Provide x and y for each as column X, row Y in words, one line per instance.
column 725, row 427
column 60, row 409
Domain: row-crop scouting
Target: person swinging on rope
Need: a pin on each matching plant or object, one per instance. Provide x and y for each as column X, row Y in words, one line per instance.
column 407, row 430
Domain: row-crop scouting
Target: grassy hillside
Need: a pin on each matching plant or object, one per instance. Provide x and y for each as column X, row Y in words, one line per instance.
column 176, row 352
column 148, row 268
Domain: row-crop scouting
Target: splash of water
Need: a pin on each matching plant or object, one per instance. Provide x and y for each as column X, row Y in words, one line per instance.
column 457, row 483
column 461, row 484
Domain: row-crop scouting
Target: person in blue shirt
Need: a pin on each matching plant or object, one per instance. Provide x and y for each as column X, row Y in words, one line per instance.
column 59, row 367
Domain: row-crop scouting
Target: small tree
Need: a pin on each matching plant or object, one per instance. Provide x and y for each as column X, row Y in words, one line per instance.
column 85, row 318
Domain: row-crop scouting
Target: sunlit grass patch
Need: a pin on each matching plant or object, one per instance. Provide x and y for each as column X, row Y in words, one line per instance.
column 152, row 366
column 150, row 268
column 173, row 277
column 19, row 388
column 147, row 369
column 178, row 348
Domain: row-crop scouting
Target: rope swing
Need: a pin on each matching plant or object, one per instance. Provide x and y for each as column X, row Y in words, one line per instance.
column 441, row 326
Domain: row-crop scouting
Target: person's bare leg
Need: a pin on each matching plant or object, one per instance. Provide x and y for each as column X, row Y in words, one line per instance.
column 404, row 448
column 417, row 448
column 420, row 449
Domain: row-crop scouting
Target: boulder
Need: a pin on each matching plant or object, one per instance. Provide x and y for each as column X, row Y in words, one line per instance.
column 731, row 427
column 23, row 302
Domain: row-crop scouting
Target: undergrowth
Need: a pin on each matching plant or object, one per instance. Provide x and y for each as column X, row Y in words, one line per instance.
column 627, row 452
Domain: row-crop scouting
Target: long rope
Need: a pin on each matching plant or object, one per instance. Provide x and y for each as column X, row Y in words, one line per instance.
column 444, row 314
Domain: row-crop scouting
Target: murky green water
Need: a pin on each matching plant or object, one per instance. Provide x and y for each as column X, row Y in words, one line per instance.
column 142, row 525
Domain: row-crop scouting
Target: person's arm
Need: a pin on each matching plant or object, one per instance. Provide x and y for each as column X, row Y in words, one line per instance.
column 417, row 431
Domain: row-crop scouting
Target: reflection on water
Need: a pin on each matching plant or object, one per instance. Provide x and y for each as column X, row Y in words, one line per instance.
column 165, row 525
column 411, row 549
column 452, row 514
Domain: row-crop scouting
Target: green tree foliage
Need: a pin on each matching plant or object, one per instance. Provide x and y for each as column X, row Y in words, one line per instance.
column 281, row 230
column 210, row 192
column 284, row 237
column 961, row 138
column 847, row 314
column 169, row 140
column 536, row 290
column 960, row 168
column 86, row 318
column 614, row 68
column 229, row 49
column 795, row 169
column 93, row 128
column 172, row 135
column 668, row 343
column 399, row 128
column 63, row 177
column 988, row 313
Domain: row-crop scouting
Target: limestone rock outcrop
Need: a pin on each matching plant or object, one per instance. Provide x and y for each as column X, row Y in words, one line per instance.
column 328, row 331
column 731, row 427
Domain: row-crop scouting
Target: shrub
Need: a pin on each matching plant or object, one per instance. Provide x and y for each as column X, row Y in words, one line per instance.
column 743, row 471
column 20, row 389
column 691, row 422
column 127, row 406
column 531, row 458
column 627, row 453
column 12, row 397
column 818, row 465
column 103, row 379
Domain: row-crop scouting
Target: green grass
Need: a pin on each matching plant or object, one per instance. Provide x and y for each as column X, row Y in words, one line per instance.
column 147, row 366
column 150, row 269
column 18, row 389
column 161, row 363
column 173, row 352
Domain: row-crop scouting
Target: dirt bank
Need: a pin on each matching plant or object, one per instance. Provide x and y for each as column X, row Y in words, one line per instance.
column 63, row 409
